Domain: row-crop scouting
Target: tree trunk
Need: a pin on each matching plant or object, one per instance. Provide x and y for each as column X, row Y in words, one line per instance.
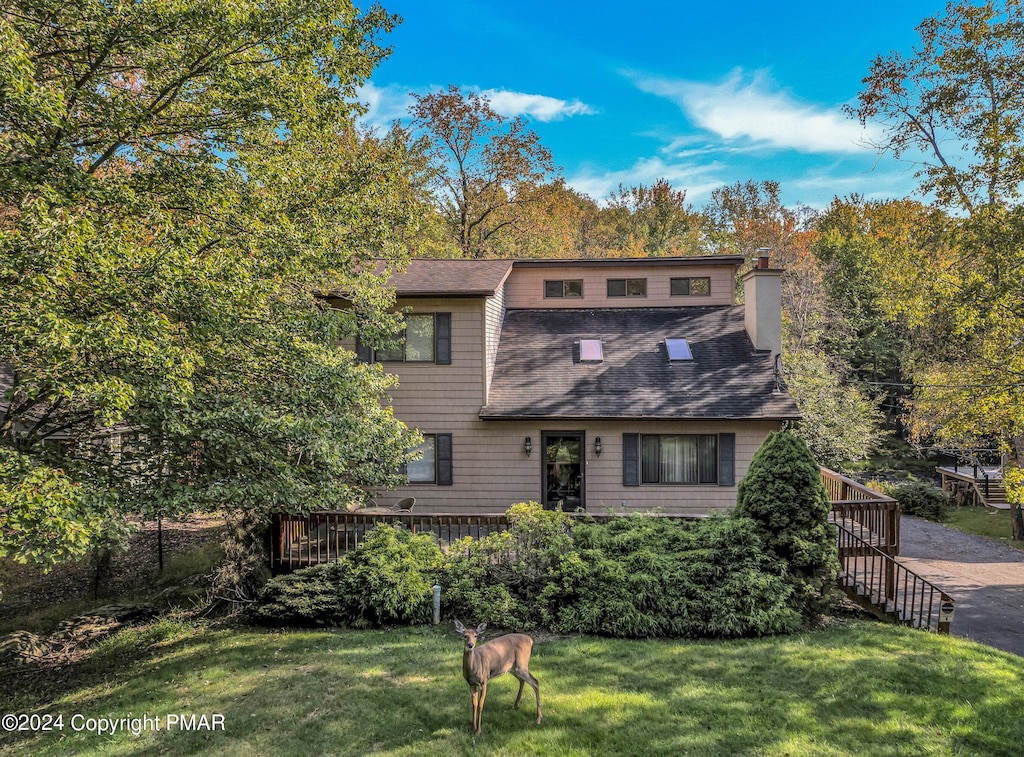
column 1017, row 522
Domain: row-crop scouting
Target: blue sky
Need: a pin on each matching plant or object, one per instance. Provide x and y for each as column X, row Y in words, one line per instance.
column 700, row 93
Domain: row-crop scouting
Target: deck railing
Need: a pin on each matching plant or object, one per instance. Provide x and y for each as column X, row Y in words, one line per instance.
column 880, row 584
column 874, row 517
column 301, row 540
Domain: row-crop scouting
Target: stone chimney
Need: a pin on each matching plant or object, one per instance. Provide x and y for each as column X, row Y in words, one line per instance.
column 762, row 295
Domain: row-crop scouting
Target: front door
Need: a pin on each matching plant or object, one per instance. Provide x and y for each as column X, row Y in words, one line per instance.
column 563, row 470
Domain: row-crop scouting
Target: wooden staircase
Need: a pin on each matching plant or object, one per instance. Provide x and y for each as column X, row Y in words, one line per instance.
column 868, row 529
column 889, row 590
column 992, row 494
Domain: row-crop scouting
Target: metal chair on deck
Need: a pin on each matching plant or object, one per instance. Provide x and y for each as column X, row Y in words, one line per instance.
column 404, row 505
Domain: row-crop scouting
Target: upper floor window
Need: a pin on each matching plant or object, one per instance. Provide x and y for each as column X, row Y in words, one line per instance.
column 627, row 287
column 427, row 338
column 699, row 286
column 563, row 288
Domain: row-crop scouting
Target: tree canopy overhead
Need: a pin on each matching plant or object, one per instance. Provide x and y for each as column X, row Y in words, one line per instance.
column 958, row 101
column 487, row 170
column 177, row 181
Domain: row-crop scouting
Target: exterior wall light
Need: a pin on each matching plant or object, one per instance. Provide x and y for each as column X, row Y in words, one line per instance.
column 597, row 445
column 528, row 446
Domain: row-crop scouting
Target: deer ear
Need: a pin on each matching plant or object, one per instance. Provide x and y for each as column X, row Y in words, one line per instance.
column 480, row 628
column 459, row 628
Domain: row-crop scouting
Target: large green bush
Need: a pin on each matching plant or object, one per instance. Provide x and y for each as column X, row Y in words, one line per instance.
column 497, row 578
column 922, row 499
column 387, row 579
column 643, row 577
column 783, row 494
column 635, row 577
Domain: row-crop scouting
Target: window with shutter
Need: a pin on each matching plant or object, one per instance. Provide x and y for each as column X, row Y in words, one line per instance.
column 427, row 338
column 631, row 459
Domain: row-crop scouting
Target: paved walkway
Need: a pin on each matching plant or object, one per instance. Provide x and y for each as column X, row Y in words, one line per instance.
column 984, row 577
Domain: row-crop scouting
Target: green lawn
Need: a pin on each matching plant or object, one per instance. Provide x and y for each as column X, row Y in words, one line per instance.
column 857, row 688
column 984, row 521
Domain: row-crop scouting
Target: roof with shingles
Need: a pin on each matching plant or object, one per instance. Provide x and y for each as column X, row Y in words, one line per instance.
column 537, row 374
column 451, row 278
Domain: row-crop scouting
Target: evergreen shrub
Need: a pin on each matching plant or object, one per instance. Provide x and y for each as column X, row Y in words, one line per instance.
column 497, row 578
column 387, row 579
column 635, row 577
column 783, row 494
column 650, row 577
column 923, row 500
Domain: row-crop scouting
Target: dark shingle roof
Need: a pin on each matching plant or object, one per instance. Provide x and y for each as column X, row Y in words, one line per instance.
column 536, row 376
column 451, row 278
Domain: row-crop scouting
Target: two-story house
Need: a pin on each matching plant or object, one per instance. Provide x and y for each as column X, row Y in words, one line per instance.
column 605, row 384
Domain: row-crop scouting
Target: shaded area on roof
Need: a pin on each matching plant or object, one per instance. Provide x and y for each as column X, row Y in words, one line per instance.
column 451, row 278
column 535, row 375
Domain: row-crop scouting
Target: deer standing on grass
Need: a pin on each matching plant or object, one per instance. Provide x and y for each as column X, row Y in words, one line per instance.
column 505, row 654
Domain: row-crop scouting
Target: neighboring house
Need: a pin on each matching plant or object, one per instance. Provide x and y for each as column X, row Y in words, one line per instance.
column 609, row 384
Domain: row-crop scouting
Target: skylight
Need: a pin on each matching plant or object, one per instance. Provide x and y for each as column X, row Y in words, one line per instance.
column 678, row 349
column 591, row 351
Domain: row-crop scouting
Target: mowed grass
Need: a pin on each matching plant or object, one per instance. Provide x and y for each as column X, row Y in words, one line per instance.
column 857, row 688
column 984, row 521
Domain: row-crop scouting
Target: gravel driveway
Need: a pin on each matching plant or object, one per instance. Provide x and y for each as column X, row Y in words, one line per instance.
column 984, row 577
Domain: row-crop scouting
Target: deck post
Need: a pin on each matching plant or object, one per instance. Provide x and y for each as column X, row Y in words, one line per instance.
column 889, row 578
column 946, row 607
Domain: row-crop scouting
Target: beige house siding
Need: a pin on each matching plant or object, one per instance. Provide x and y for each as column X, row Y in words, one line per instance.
column 494, row 314
column 491, row 470
column 429, row 395
column 526, row 286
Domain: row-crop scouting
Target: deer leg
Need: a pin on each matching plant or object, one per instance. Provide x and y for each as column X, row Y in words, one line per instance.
column 480, row 707
column 520, row 694
column 475, row 695
column 536, row 690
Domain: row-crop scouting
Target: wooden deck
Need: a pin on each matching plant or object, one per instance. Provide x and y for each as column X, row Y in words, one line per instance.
column 302, row 540
column 868, row 528
column 974, row 485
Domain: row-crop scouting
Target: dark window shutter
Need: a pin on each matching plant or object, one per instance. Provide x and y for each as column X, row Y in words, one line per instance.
column 631, row 459
column 444, row 459
column 363, row 353
column 443, row 338
column 727, row 459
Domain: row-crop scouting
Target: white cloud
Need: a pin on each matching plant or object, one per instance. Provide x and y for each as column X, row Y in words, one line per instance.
column 697, row 180
column 391, row 103
column 753, row 108
column 384, row 104
column 540, row 107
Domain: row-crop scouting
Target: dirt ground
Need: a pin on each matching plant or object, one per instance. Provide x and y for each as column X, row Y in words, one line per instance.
column 132, row 572
column 984, row 577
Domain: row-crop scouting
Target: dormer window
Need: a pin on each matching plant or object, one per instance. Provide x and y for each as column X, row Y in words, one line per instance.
column 627, row 287
column 563, row 288
column 591, row 351
column 698, row 286
column 678, row 350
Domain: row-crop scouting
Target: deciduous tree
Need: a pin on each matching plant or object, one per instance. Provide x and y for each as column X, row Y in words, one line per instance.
column 655, row 219
column 958, row 101
column 178, row 180
column 487, row 169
